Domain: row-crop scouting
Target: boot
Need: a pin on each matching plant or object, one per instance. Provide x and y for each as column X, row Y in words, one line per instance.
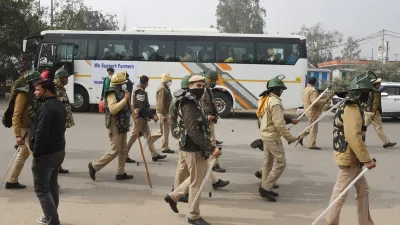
column 61, row 170
column 218, row 169
column 124, row 177
column 156, row 158
column 168, row 151
column 92, row 171
column 129, row 160
column 267, row 194
column 199, row 221
column 15, row 185
column 220, row 184
column 388, row 145
column 171, row 203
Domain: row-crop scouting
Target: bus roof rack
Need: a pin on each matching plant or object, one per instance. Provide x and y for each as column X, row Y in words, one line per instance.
column 170, row 29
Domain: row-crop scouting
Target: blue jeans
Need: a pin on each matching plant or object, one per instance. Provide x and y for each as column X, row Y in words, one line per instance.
column 45, row 180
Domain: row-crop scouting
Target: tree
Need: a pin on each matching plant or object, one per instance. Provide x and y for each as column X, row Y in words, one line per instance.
column 388, row 72
column 351, row 50
column 240, row 16
column 320, row 43
column 75, row 15
column 18, row 19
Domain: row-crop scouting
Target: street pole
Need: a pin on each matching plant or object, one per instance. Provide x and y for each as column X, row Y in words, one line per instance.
column 51, row 14
column 372, row 55
column 387, row 52
column 383, row 46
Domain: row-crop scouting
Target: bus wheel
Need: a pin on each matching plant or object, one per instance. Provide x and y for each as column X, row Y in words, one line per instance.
column 81, row 100
column 223, row 103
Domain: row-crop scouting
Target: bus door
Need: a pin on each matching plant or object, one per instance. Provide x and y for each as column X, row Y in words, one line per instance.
column 64, row 57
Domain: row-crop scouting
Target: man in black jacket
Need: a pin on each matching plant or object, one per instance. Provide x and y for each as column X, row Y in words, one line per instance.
column 48, row 149
column 129, row 88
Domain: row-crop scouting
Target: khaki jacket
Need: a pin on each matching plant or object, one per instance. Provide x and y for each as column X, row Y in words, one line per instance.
column 273, row 121
column 355, row 151
column 164, row 99
column 20, row 118
column 310, row 94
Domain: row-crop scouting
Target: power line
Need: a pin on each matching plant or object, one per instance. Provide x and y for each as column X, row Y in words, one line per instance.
column 392, row 36
column 392, row 32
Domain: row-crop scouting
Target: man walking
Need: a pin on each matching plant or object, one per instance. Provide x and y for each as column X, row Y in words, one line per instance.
column 106, row 82
column 48, row 149
column 350, row 152
column 164, row 99
column 196, row 147
column 373, row 114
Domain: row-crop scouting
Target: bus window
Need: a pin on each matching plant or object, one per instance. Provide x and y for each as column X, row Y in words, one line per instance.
column 47, row 55
column 91, row 50
column 155, row 51
column 195, row 51
column 271, row 53
column 80, row 47
column 237, row 52
column 115, row 50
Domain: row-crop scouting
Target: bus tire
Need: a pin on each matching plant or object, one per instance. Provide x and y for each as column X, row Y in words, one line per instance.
column 226, row 100
column 81, row 99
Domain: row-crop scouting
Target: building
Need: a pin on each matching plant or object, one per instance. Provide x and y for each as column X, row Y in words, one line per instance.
column 322, row 76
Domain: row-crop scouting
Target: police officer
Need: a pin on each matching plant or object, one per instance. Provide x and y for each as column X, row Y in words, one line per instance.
column 25, row 107
column 350, row 152
column 211, row 78
column 142, row 112
column 164, row 99
column 310, row 94
column 60, row 81
column 116, row 108
column 272, row 128
column 195, row 147
column 373, row 113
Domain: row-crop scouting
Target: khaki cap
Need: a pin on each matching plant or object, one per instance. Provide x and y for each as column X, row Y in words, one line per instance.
column 196, row 78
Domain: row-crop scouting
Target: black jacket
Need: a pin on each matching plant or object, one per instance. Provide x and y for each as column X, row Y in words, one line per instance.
column 144, row 105
column 50, row 127
column 129, row 86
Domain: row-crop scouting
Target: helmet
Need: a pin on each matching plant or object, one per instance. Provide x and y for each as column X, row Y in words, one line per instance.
column 276, row 82
column 211, row 74
column 363, row 82
column 119, row 78
column 33, row 75
column 165, row 77
column 61, row 73
column 185, row 82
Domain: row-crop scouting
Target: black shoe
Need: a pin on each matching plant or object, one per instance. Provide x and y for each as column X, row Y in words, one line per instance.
column 220, row 184
column 168, row 151
column 388, row 145
column 275, row 186
column 156, row 158
column 258, row 174
column 314, row 148
column 92, row 171
column 199, row 221
column 184, row 199
column 15, row 186
column 218, row 169
column 129, row 160
column 219, row 142
column 61, row 170
column 267, row 194
column 124, row 177
column 257, row 144
column 171, row 203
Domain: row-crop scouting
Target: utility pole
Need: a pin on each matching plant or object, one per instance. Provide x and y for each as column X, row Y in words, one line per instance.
column 383, row 46
column 387, row 52
column 372, row 55
column 52, row 7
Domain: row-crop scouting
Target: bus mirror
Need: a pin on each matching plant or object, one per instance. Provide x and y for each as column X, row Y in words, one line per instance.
column 24, row 45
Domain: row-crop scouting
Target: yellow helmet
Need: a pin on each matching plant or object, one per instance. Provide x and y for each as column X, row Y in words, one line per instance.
column 119, row 78
column 165, row 77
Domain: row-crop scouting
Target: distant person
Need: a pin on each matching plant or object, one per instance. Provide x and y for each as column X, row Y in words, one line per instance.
column 106, row 82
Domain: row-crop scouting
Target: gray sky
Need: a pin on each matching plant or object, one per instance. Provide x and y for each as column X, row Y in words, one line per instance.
column 358, row 18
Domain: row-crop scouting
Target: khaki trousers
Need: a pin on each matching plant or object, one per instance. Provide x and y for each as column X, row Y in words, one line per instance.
column 197, row 169
column 213, row 138
column 377, row 123
column 312, row 139
column 118, row 148
column 274, row 163
column 162, row 132
column 182, row 171
column 22, row 156
column 345, row 176
column 141, row 125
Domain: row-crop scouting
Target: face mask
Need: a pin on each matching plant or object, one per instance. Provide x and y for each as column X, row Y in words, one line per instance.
column 169, row 83
column 123, row 87
column 364, row 96
column 198, row 92
column 64, row 82
column 213, row 85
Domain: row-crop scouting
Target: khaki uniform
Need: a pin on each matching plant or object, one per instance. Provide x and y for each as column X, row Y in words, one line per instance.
column 273, row 126
column 164, row 99
column 210, row 109
column 140, row 101
column 349, row 152
column 373, row 112
column 117, row 132
column 310, row 94
column 21, row 124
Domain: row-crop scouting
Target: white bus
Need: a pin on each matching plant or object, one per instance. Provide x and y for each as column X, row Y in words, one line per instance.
column 244, row 62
